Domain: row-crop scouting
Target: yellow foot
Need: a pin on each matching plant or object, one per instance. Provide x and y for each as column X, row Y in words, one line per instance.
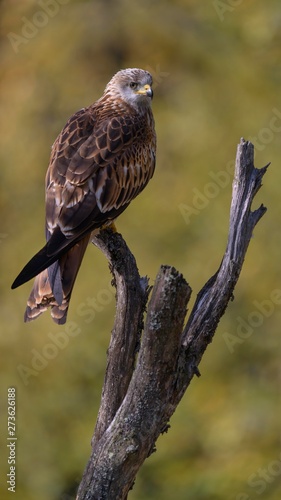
column 111, row 226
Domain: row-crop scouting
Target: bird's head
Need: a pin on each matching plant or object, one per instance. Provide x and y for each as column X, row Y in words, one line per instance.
column 132, row 85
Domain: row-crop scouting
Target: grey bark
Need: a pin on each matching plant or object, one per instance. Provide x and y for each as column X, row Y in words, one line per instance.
column 148, row 372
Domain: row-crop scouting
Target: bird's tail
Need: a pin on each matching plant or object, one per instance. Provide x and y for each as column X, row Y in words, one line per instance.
column 53, row 286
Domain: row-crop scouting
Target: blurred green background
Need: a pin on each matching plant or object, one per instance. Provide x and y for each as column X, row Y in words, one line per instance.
column 217, row 74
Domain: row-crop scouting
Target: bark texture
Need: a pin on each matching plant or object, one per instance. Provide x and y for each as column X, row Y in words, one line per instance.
column 148, row 372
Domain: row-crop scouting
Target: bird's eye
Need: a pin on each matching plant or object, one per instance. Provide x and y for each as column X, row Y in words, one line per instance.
column 133, row 85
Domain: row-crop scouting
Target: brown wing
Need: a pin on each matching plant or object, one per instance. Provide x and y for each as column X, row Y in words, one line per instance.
column 97, row 167
column 77, row 130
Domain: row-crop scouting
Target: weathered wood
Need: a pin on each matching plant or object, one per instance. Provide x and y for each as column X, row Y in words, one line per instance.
column 215, row 295
column 138, row 403
column 145, row 410
column 132, row 293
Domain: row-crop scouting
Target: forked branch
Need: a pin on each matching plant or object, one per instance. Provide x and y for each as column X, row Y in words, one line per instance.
column 145, row 380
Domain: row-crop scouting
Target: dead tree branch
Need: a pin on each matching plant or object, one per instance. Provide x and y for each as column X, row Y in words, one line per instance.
column 145, row 380
column 131, row 299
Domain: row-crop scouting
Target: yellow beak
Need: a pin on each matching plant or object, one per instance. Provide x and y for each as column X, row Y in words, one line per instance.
column 145, row 90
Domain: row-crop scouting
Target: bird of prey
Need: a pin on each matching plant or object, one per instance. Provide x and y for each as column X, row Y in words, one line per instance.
column 102, row 159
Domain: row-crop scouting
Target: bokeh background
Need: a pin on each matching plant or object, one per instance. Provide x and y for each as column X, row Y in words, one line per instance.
column 217, row 74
